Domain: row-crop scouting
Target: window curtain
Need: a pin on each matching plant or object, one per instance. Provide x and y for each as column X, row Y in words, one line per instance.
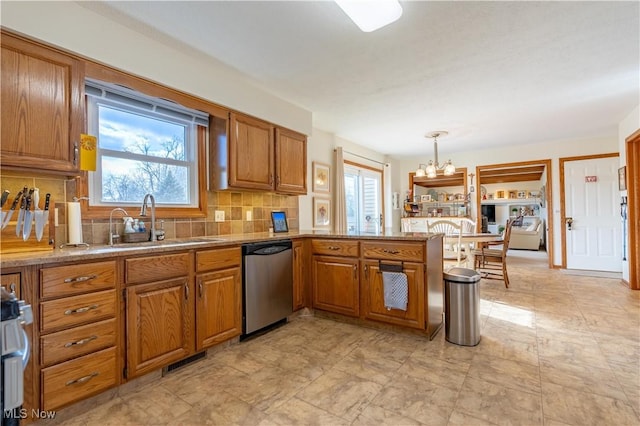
column 387, row 197
column 340, row 202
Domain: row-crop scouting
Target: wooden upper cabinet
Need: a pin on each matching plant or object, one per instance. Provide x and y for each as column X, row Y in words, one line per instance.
column 291, row 162
column 247, row 153
column 41, row 107
column 251, row 153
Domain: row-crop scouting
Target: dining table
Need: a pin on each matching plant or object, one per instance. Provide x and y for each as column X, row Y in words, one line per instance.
column 469, row 239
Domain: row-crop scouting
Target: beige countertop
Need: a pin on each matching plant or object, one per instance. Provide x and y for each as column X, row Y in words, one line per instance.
column 97, row 252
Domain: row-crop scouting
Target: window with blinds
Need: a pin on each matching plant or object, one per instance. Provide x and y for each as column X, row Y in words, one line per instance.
column 363, row 193
column 145, row 145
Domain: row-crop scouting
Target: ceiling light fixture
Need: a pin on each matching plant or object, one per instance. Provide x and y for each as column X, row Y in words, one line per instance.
column 432, row 168
column 370, row 15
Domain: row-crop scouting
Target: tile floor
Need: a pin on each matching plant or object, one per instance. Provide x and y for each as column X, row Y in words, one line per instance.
column 556, row 349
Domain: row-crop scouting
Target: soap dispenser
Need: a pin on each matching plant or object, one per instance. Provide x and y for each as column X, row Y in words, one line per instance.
column 128, row 229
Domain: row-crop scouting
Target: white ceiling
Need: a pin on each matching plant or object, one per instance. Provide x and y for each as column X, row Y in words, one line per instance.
column 491, row 73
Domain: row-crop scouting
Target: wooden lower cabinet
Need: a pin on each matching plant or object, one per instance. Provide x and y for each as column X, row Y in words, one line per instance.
column 11, row 283
column 298, row 275
column 336, row 285
column 158, row 324
column 373, row 296
column 218, row 307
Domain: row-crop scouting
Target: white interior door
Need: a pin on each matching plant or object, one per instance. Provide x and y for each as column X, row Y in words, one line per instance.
column 593, row 241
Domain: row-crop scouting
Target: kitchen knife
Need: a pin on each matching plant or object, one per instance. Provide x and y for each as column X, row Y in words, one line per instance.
column 6, row 220
column 28, row 219
column 3, row 199
column 42, row 216
column 23, row 203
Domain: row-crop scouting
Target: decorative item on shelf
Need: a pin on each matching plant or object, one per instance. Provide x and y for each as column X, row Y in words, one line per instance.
column 521, row 194
column 430, row 170
column 512, row 194
column 321, row 177
column 533, row 194
column 490, row 196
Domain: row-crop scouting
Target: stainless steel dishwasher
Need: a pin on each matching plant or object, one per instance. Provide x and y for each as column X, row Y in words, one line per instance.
column 267, row 271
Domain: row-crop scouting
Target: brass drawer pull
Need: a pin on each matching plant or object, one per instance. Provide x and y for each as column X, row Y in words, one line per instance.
column 82, row 379
column 80, row 310
column 333, row 248
column 80, row 279
column 80, row 342
column 391, row 251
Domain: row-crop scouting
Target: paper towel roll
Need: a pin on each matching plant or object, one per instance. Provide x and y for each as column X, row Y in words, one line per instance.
column 74, row 223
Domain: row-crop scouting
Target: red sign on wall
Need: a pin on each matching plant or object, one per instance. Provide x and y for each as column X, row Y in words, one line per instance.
column 591, row 179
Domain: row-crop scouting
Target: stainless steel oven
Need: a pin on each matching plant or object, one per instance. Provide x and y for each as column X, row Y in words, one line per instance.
column 15, row 355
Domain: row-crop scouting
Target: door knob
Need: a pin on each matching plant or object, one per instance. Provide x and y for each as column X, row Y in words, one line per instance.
column 569, row 222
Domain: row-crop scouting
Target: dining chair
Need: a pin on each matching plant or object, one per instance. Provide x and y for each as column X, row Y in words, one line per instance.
column 492, row 263
column 452, row 240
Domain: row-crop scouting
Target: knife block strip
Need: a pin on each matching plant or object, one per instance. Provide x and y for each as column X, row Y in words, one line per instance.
column 9, row 243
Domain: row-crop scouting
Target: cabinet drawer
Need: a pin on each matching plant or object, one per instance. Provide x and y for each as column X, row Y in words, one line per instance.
column 76, row 279
column 395, row 250
column 75, row 310
column 78, row 341
column 335, row 247
column 73, row 380
column 210, row 260
column 156, row 268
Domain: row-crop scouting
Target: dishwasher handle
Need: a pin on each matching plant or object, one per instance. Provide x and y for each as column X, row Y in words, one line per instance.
column 266, row 249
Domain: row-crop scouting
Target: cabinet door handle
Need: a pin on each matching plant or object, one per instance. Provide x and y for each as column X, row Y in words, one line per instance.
column 200, row 288
column 390, row 251
column 333, row 248
column 278, row 180
column 366, row 272
column 12, row 288
column 80, row 342
column 355, row 272
column 82, row 379
column 76, row 152
column 80, row 310
column 186, row 291
column 271, row 179
column 80, row 279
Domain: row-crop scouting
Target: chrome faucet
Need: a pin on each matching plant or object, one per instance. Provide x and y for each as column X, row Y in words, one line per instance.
column 143, row 213
column 111, row 236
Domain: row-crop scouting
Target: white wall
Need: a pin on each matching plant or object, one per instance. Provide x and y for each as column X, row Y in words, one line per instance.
column 545, row 150
column 320, row 146
column 73, row 27
column 627, row 127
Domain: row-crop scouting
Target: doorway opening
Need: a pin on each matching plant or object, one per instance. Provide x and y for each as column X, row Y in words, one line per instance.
column 518, row 189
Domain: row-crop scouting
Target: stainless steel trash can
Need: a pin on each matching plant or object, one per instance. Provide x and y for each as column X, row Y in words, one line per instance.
column 462, row 306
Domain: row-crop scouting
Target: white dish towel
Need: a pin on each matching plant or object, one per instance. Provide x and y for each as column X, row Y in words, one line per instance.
column 396, row 290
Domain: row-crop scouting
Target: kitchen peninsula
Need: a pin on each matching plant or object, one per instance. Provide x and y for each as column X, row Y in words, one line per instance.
column 117, row 304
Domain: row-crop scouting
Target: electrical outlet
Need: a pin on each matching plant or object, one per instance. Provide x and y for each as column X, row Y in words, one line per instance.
column 219, row 216
column 249, row 219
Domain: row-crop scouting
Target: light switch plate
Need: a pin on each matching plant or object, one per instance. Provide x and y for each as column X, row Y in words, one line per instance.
column 249, row 218
column 219, row 217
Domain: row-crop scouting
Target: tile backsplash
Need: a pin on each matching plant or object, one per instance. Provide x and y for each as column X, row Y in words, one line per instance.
column 235, row 205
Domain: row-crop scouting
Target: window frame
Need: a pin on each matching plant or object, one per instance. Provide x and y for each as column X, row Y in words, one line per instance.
column 368, row 169
column 103, row 72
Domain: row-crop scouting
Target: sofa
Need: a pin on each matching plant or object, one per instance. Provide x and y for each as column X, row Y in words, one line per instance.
column 528, row 236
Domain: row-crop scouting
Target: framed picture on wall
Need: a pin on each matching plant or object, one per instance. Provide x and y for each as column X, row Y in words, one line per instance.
column 622, row 178
column 321, row 212
column 321, row 177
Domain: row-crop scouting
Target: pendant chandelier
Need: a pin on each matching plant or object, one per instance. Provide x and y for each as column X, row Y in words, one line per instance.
column 430, row 170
